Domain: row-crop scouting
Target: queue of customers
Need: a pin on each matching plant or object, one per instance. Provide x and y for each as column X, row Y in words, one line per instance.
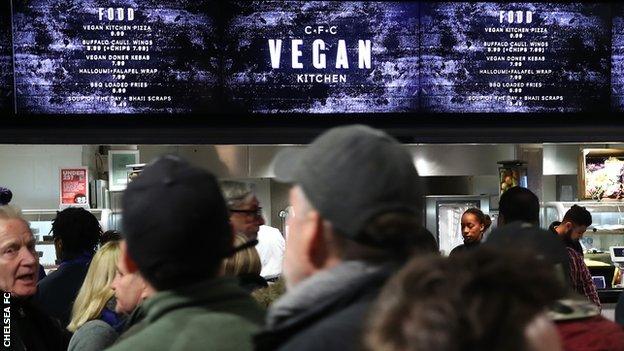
column 360, row 271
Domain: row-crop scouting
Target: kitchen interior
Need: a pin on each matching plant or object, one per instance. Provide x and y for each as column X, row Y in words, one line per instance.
column 456, row 177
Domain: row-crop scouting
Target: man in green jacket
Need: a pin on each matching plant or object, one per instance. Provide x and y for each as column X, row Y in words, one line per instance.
column 177, row 233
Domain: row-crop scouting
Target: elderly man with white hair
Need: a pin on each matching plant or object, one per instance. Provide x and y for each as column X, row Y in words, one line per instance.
column 30, row 328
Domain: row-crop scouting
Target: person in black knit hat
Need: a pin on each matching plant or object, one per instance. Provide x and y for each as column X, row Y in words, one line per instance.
column 177, row 233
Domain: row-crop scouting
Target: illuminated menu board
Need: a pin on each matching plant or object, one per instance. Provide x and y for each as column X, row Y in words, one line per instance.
column 515, row 57
column 320, row 57
column 101, row 56
column 617, row 59
column 311, row 57
column 6, row 60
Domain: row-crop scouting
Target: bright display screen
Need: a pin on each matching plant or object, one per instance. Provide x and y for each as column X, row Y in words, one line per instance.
column 178, row 57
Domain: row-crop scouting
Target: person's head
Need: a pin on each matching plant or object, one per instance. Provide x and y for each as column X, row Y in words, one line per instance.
column 476, row 300
column 19, row 262
column 95, row 291
column 109, row 235
column 535, row 241
column 244, row 207
column 176, row 224
column 314, row 244
column 5, row 196
column 518, row 204
column 473, row 224
column 128, row 285
column 357, row 195
column 76, row 231
column 245, row 261
column 575, row 222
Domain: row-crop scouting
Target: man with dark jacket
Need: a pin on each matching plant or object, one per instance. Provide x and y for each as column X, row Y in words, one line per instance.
column 570, row 230
column 29, row 328
column 580, row 325
column 177, row 234
column 356, row 213
column 76, row 233
column 572, row 227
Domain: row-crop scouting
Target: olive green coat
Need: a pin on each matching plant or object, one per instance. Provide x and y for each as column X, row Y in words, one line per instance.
column 211, row 315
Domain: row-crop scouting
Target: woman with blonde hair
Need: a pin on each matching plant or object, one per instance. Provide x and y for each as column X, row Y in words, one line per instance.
column 245, row 265
column 93, row 321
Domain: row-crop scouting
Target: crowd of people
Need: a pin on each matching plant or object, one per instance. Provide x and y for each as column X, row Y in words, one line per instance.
column 195, row 266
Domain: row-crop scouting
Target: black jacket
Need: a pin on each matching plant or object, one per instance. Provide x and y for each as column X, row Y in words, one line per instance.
column 336, row 324
column 251, row 282
column 619, row 310
column 573, row 244
column 463, row 248
column 33, row 330
column 56, row 292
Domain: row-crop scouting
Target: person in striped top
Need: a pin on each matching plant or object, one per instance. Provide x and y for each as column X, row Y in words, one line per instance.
column 570, row 230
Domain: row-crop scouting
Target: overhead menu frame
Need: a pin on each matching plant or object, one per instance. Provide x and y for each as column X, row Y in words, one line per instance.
column 226, row 67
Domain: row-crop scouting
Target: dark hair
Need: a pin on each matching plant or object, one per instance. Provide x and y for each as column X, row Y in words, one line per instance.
column 481, row 217
column 109, row 235
column 5, row 196
column 184, row 239
column 78, row 229
column 537, row 242
column 578, row 215
column 392, row 236
column 519, row 204
column 475, row 300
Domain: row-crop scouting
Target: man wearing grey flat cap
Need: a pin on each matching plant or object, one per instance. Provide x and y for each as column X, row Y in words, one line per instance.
column 356, row 211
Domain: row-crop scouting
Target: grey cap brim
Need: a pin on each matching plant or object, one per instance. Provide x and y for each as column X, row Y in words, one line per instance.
column 286, row 165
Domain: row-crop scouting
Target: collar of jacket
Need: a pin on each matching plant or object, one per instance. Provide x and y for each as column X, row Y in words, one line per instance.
column 573, row 244
column 137, row 315
column 350, row 289
column 205, row 293
column 554, row 225
column 21, row 305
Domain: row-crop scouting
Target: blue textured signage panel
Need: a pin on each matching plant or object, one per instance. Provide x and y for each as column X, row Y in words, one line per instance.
column 515, row 57
column 323, row 56
column 617, row 59
column 312, row 57
column 114, row 56
column 6, row 59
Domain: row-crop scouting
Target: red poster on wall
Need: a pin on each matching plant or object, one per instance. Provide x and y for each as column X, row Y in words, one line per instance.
column 74, row 187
